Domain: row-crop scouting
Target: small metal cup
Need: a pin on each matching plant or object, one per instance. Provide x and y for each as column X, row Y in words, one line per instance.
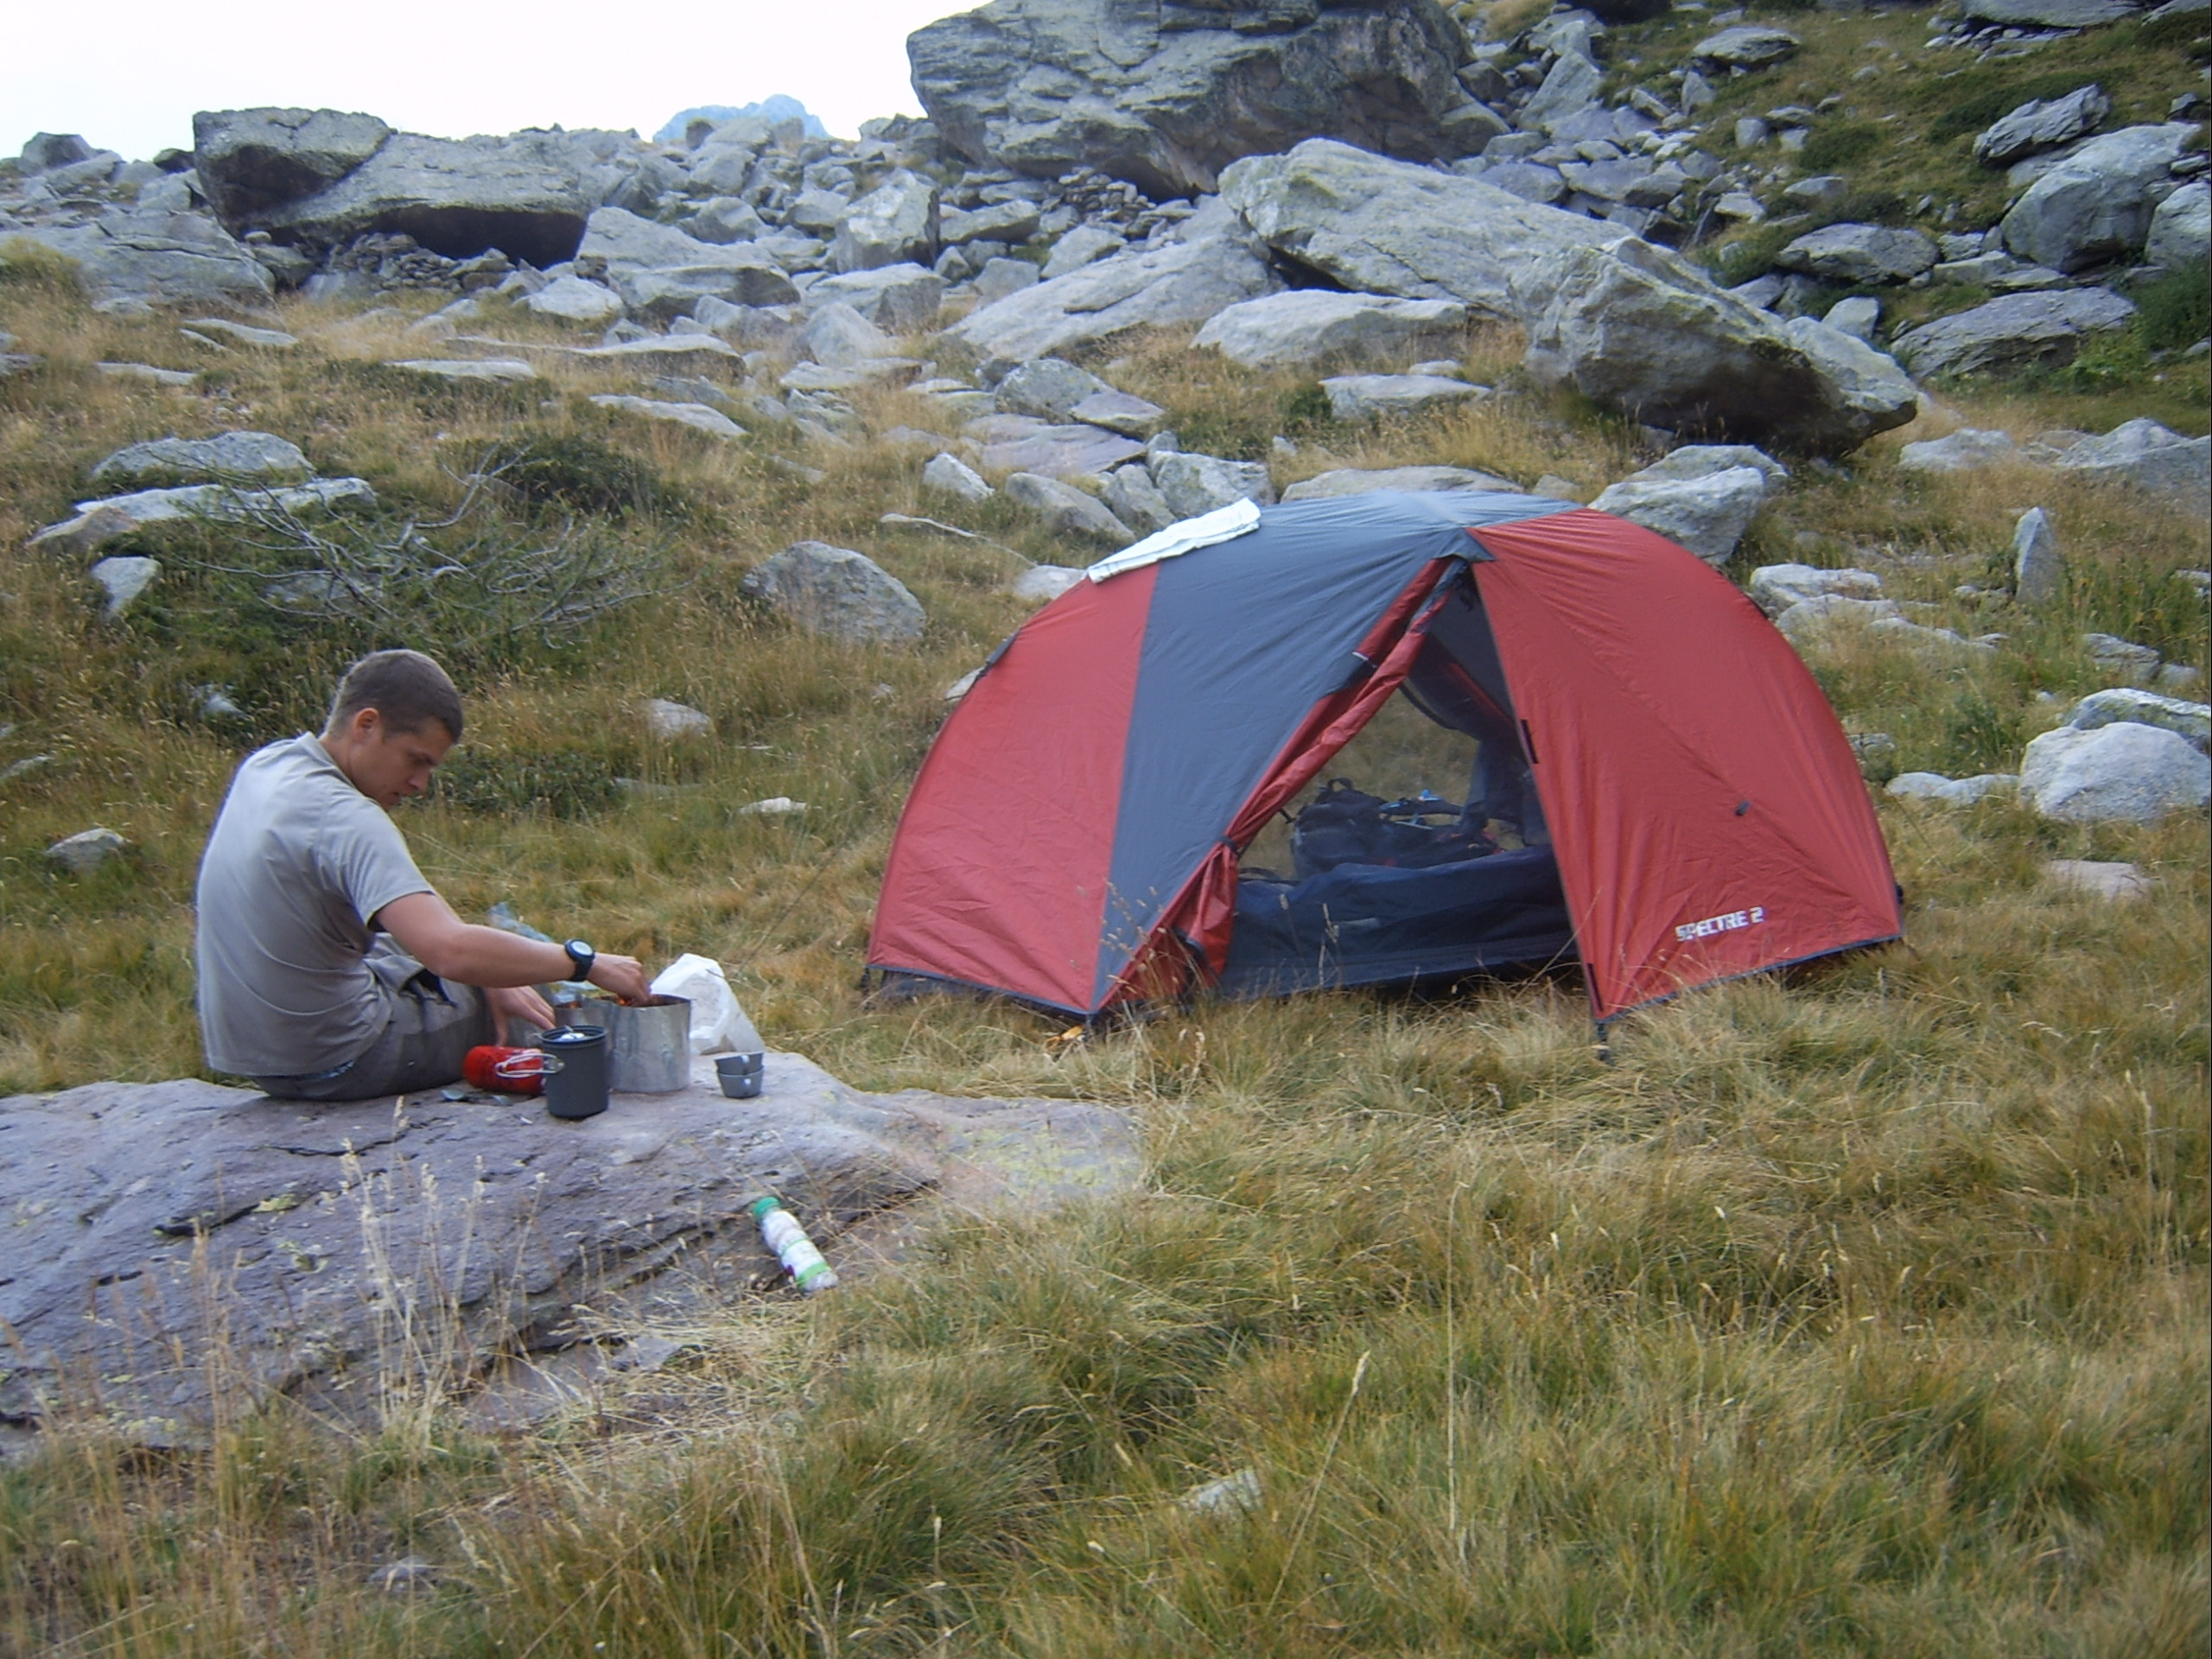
column 740, row 1075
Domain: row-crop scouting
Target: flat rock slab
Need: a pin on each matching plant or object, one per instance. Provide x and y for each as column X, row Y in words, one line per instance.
column 170, row 1240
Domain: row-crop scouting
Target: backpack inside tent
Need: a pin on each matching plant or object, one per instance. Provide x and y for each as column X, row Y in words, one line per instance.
column 1384, row 739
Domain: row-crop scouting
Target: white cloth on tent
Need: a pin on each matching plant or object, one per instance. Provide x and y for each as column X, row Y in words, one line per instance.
column 1222, row 524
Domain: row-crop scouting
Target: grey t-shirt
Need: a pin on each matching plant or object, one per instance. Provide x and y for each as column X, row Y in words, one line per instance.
column 298, row 862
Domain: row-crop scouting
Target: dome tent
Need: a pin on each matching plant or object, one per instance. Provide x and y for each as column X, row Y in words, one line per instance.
column 1074, row 836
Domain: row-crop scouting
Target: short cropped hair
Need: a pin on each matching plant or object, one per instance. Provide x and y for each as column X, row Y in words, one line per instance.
column 407, row 689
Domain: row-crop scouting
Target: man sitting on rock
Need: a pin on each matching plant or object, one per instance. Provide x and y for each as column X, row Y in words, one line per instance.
column 329, row 968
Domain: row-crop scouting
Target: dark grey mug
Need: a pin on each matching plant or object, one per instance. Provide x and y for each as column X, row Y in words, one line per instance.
column 579, row 1088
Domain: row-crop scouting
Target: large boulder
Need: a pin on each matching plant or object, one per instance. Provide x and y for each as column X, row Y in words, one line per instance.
column 1066, row 509
column 153, row 257
column 252, row 161
column 2181, row 230
column 1214, row 264
column 839, row 593
column 47, row 150
column 900, row 299
column 1628, row 326
column 2048, row 326
column 1569, row 88
column 837, row 336
column 894, row 224
column 2122, row 702
column 2124, row 773
column 1708, row 515
column 1966, row 450
column 1774, row 588
column 1081, row 246
column 1019, row 444
column 2095, row 206
column 102, row 521
column 1046, row 389
column 1307, row 325
column 2150, row 457
column 1368, row 481
column 1747, row 46
column 2043, row 123
column 2039, row 562
column 231, row 457
column 1383, row 397
column 2049, row 14
column 1860, row 254
column 526, row 195
column 661, row 272
column 700, row 418
column 571, row 299
column 1192, row 484
column 1166, row 96
column 168, row 1239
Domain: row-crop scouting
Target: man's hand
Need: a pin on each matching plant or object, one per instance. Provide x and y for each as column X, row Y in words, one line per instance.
column 623, row 975
column 519, row 1003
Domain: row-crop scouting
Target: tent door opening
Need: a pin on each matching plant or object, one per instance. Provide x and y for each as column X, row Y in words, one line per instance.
column 1422, row 855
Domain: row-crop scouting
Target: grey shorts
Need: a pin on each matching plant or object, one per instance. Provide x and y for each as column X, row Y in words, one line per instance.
column 430, row 1027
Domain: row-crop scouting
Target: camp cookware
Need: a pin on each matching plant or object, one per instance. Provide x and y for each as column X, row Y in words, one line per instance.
column 648, row 1046
column 579, row 1088
column 740, row 1074
column 508, row 1071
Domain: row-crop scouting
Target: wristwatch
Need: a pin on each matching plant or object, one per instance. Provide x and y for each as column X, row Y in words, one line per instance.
column 581, row 957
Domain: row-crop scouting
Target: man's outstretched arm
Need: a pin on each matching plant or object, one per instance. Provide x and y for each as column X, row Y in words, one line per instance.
column 427, row 931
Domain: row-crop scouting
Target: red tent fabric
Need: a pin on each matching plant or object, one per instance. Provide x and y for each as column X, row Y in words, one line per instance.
column 1706, row 810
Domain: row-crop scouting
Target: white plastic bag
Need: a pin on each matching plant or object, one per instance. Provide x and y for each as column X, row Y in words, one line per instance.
column 718, row 1023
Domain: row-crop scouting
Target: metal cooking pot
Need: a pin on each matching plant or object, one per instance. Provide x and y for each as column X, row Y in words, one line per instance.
column 650, row 1044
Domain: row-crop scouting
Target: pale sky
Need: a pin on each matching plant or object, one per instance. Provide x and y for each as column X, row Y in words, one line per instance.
column 129, row 74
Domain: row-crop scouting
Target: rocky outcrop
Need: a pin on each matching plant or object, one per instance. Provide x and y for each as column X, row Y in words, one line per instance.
column 1774, row 588
column 253, row 162
column 660, row 271
column 1625, row 323
column 168, row 1238
column 2014, row 329
column 153, row 257
column 2150, row 457
column 2181, row 230
column 1363, row 480
column 1214, row 264
column 896, row 223
column 1310, row 325
column 2095, row 206
column 317, row 178
column 2041, row 124
column 1192, row 484
column 2185, row 719
column 1387, row 397
column 242, row 457
column 1860, row 253
column 2123, row 772
column 1167, row 96
column 837, row 592
column 1707, row 514
column 1067, row 511
column 113, row 517
column 456, row 197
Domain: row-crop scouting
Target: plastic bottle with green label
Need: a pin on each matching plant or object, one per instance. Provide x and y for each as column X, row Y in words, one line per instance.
column 780, row 1231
